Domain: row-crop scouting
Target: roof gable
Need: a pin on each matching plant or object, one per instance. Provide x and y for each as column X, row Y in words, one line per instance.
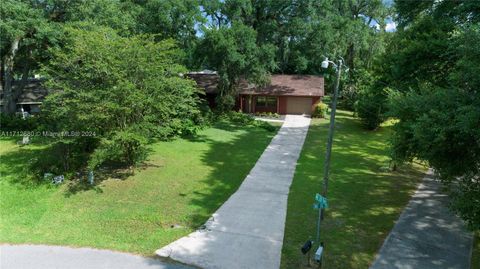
column 287, row 85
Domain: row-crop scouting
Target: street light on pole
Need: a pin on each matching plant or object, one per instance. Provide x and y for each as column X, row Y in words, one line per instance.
column 326, row 171
column 321, row 200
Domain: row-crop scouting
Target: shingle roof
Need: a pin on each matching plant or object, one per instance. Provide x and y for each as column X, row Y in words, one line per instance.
column 290, row 85
column 283, row 85
column 33, row 93
column 205, row 81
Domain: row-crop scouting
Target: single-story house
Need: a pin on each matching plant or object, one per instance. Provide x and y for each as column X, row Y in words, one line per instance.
column 31, row 97
column 286, row 94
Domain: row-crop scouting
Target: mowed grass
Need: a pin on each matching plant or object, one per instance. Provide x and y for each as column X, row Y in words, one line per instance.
column 181, row 185
column 364, row 197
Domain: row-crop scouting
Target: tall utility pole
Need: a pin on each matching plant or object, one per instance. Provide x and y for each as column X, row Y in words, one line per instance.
column 328, row 154
column 326, row 170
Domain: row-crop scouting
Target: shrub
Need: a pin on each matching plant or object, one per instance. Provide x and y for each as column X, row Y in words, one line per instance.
column 61, row 157
column 371, row 106
column 265, row 125
column 267, row 115
column 17, row 123
column 123, row 148
column 239, row 117
column 246, row 119
column 320, row 110
column 225, row 102
column 349, row 97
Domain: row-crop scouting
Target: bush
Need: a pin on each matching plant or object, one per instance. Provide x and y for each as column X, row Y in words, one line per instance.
column 61, row 157
column 371, row 106
column 239, row 117
column 349, row 96
column 320, row 110
column 267, row 115
column 123, row 148
column 17, row 123
column 265, row 125
column 225, row 102
column 246, row 119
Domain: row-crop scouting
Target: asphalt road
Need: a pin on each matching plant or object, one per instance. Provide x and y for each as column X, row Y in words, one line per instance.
column 56, row 257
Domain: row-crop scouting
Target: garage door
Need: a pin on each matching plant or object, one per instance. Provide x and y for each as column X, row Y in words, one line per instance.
column 299, row 105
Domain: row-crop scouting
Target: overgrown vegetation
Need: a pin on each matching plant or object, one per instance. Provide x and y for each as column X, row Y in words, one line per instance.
column 433, row 66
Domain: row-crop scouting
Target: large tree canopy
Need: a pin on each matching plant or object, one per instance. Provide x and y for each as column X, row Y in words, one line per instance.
column 434, row 69
column 124, row 90
column 233, row 51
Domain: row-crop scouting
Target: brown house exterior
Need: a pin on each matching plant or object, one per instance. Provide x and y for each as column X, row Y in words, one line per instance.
column 31, row 97
column 286, row 94
column 207, row 81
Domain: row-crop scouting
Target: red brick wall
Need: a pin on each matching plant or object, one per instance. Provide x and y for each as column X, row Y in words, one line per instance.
column 281, row 105
column 266, row 109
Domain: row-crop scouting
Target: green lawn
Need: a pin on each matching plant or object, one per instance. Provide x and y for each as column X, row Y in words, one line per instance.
column 183, row 182
column 365, row 198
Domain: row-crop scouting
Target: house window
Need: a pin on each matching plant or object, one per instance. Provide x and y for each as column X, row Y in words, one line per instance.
column 266, row 101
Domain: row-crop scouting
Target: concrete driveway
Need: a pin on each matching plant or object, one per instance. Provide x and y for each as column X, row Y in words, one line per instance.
column 56, row 257
column 247, row 230
column 427, row 235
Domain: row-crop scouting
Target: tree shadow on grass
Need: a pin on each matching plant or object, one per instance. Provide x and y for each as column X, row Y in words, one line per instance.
column 365, row 200
column 15, row 164
column 231, row 162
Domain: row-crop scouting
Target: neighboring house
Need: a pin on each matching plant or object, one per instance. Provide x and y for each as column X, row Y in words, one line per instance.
column 31, row 97
column 207, row 81
column 286, row 94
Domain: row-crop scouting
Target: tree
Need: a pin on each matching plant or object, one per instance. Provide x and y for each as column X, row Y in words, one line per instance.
column 19, row 23
column 234, row 53
column 175, row 19
column 434, row 70
column 29, row 27
column 371, row 106
column 125, row 90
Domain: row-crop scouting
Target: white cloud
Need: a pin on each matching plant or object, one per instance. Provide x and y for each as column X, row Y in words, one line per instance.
column 391, row 27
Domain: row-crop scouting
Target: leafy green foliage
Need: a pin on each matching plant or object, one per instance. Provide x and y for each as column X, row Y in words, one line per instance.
column 320, row 110
column 434, row 70
column 234, row 53
column 246, row 120
column 17, row 123
column 371, row 104
column 370, row 107
column 125, row 91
